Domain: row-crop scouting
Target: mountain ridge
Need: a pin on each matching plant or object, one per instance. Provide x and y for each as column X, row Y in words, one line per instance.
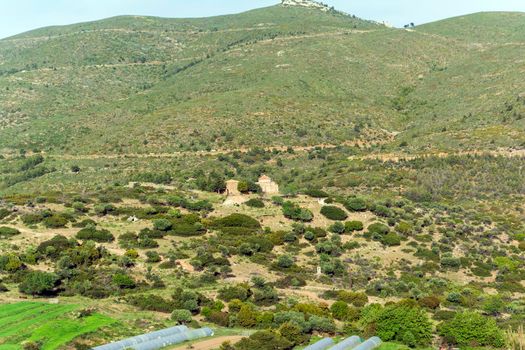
column 389, row 79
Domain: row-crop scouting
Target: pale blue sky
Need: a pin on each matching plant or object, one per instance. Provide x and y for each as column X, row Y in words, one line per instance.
column 17, row 16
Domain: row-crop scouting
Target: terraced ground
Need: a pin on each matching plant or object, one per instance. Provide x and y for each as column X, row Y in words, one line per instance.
column 52, row 325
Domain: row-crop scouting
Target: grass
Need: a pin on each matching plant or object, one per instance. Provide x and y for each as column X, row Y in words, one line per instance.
column 51, row 325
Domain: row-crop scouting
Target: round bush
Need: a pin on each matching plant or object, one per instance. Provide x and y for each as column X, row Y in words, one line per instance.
column 405, row 324
column 8, row 232
column 334, row 213
column 351, row 226
column 355, row 204
column 181, row 316
column 255, row 203
column 472, row 329
column 162, row 225
column 391, row 239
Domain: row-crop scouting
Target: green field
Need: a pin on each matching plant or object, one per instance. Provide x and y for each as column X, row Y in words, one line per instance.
column 50, row 325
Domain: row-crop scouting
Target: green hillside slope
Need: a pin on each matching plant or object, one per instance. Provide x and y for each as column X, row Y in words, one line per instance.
column 277, row 76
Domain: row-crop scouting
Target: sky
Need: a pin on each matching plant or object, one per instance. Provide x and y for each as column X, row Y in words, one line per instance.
column 17, row 16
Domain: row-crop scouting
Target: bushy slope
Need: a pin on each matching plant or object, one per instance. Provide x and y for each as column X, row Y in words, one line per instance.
column 273, row 76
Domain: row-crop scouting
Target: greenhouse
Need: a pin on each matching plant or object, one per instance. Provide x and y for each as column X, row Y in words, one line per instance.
column 351, row 343
column 158, row 339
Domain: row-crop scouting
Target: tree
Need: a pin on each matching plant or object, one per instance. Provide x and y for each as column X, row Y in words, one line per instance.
column 247, row 316
column 181, row 316
column 38, row 283
column 472, row 329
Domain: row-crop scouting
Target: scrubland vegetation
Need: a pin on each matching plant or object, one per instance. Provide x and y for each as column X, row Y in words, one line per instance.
column 399, row 158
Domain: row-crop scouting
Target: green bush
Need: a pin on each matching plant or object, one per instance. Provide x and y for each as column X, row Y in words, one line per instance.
column 408, row 325
column 285, row 261
column 237, row 220
column 295, row 212
column 334, row 213
column 238, row 292
column 6, row 232
column 391, row 239
column 181, row 316
column 316, row 193
column 264, row 340
column 55, row 221
column 378, row 229
column 472, row 329
column 38, row 283
column 162, row 224
column 4, row 213
column 32, row 219
column 92, row 234
column 355, row 204
column 254, row 203
column 351, row 226
column 340, row 310
column 123, row 281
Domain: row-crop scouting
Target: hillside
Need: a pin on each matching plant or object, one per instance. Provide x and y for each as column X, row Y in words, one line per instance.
column 273, row 76
column 132, row 195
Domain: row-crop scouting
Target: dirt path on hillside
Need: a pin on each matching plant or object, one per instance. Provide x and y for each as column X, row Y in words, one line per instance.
column 385, row 157
column 397, row 157
column 355, row 143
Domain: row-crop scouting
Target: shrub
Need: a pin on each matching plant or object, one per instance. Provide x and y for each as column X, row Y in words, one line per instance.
column 337, row 227
column 351, row 226
column 38, row 283
column 409, row 325
column 355, row 204
column 104, row 209
column 264, row 340
column 391, row 239
column 32, row 219
column 430, row 302
column 55, row 221
column 340, row 310
column 378, row 229
column 295, row 212
column 247, row 316
column 92, row 234
column 152, row 302
column 4, row 213
column 152, row 257
column 357, row 299
column 235, row 292
column 255, row 203
column 292, row 332
column 334, row 213
column 123, row 281
column 162, row 225
column 472, row 329
column 181, row 316
column 316, row 193
column 6, row 232
column 285, row 261
column 237, row 220
column 321, row 324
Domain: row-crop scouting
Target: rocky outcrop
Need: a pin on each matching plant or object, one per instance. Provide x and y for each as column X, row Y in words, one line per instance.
column 306, row 3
